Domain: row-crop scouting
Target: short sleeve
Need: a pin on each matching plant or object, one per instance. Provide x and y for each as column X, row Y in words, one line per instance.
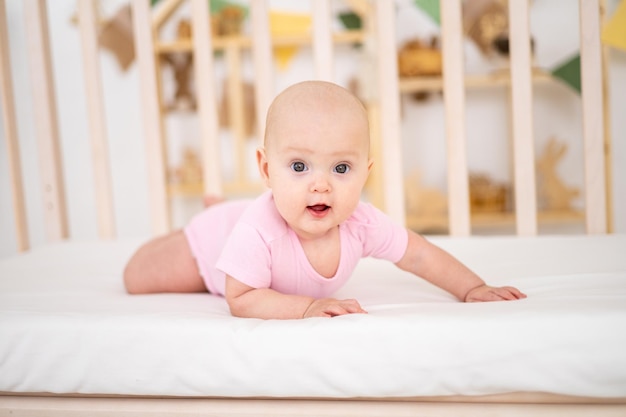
column 380, row 236
column 246, row 257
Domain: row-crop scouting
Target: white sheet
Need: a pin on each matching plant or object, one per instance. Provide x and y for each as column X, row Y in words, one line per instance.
column 67, row 326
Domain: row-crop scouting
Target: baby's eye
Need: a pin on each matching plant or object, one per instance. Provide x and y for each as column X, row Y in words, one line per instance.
column 298, row 166
column 342, row 168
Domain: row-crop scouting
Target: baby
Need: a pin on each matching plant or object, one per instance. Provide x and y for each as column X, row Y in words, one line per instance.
column 285, row 253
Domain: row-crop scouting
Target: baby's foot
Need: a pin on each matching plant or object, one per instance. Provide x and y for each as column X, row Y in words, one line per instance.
column 209, row 200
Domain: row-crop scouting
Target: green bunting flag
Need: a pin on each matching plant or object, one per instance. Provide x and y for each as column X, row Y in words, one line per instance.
column 569, row 72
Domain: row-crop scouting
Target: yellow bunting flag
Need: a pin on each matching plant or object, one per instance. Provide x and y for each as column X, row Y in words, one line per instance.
column 614, row 32
column 284, row 25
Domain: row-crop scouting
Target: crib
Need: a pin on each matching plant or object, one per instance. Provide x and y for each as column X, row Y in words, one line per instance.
column 107, row 353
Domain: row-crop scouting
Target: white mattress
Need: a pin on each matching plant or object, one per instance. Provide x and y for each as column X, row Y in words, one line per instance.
column 67, row 326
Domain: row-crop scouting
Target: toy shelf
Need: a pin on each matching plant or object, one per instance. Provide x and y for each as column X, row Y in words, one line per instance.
column 439, row 222
column 195, row 189
column 245, row 42
column 494, row 79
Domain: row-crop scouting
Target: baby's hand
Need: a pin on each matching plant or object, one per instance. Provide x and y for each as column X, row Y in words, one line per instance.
column 487, row 293
column 330, row 307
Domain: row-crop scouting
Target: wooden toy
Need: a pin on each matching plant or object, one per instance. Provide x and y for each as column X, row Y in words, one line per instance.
column 487, row 195
column 554, row 194
column 416, row 58
column 189, row 172
column 248, row 110
column 426, row 207
column 229, row 21
column 486, row 22
column 182, row 67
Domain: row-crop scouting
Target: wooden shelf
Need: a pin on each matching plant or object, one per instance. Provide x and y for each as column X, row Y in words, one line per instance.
column 440, row 222
column 244, row 42
column 494, row 79
column 544, row 216
column 197, row 189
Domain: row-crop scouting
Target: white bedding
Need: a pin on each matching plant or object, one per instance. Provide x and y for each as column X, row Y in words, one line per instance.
column 67, row 326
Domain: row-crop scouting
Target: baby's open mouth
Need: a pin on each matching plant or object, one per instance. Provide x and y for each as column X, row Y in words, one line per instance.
column 319, row 207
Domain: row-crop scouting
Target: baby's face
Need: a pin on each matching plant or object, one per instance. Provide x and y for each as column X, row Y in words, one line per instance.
column 316, row 163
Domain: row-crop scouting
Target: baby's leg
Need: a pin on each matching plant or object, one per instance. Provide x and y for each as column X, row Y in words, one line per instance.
column 164, row 264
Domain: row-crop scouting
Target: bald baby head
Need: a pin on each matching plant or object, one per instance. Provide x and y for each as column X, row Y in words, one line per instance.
column 318, row 104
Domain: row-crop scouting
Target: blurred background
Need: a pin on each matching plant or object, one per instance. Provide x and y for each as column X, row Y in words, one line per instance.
column 556, row 93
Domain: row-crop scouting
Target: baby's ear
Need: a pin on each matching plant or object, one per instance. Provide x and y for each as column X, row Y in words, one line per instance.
column 261, row 160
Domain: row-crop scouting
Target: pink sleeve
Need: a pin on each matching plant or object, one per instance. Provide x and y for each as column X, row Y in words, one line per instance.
column 246, row 257
column 380, row 235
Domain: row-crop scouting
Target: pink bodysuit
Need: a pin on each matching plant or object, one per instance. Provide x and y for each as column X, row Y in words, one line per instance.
column 251, row 242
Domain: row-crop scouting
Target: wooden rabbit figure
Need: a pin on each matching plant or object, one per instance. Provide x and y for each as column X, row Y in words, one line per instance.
column 553, row 192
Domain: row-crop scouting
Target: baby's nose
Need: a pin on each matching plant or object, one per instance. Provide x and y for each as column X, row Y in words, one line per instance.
column 320, row 184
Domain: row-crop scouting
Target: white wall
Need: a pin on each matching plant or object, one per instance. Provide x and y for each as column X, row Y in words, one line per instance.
column 553, row 24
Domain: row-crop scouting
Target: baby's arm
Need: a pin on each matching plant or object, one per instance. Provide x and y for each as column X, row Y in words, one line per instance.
column 437, row 266
column 264, row 303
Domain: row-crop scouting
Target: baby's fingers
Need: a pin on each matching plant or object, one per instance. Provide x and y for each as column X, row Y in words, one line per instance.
column 331, row 307
column 352, row 306
column 341, row 307
column 486, row 293
column 511, row 293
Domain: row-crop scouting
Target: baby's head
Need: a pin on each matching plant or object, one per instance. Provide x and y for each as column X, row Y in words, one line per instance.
column 316, row 155
column 315, row 101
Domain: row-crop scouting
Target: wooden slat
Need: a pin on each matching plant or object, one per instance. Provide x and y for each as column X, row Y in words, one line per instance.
column 46, row 126
column 608, row 141
column 522, row 119
column 263, row 65
column 322, row 41
column 389, row 96
column 234, row 89
column 206, row 95
column 152, row 122
column 162, row 11
column 375, row 184
column 88, row 22
column 454, row 101
column 593, row 116
column 368, row 93
column 10, row 134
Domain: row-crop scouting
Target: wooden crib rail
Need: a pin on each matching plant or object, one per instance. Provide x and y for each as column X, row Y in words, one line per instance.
column 593, row 117
column 10, row 132
column 88, row 23
column 454, row 97
column 45, row 113
column 522, row 126
column 521, row 96
column 384, row 106
column 152, row 122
